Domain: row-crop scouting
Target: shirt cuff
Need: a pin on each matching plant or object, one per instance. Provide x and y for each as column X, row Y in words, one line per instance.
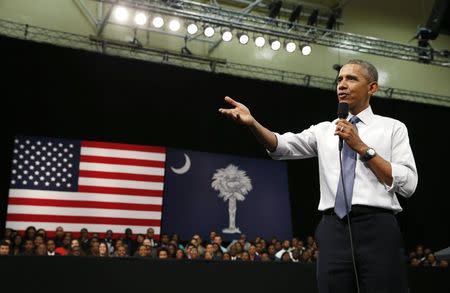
column 281, row 149
column 399, row 176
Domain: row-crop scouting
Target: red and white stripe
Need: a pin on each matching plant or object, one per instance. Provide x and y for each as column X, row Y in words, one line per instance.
column 120, row 186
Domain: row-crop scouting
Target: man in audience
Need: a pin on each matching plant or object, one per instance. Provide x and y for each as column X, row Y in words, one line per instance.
column 4, row 248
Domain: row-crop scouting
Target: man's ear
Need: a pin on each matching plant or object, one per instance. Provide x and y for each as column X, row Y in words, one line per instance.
column 373, row 88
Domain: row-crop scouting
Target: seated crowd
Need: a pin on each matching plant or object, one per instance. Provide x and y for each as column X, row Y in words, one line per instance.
column 424, row 257
column 35, row 242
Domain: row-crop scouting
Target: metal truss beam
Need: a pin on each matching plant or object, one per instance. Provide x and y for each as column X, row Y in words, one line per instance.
column 214, row 65
column 239, row 20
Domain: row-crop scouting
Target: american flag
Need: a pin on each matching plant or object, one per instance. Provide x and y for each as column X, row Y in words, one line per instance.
column 85, row 184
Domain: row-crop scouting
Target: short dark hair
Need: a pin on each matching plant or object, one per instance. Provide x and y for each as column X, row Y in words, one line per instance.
column 372, row 72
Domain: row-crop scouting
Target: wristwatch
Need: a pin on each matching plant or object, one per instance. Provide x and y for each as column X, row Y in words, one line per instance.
column 370, row 153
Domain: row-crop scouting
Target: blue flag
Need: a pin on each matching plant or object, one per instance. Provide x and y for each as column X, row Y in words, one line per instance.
column 227, row 194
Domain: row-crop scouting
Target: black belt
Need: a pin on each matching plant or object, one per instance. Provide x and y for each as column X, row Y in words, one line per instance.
column 358, row 210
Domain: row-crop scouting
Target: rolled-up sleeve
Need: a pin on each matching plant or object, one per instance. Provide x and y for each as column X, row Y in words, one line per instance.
column 295, row 145
column 404, row 171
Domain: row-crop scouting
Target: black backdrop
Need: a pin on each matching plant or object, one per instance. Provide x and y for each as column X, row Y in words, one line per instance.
column 66, row 93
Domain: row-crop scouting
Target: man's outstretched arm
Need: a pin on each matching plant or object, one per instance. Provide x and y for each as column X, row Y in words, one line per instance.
column 241, row 114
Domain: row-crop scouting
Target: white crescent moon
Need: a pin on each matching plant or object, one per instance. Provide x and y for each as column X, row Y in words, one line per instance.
column 185, row 168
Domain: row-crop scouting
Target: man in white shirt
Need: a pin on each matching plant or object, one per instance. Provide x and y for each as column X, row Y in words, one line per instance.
column 383, row 167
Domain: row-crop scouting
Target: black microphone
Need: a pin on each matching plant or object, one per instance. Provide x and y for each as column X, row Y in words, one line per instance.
column 342, row 114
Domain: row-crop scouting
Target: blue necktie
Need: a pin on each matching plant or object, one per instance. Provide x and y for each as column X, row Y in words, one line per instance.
column 348, row 168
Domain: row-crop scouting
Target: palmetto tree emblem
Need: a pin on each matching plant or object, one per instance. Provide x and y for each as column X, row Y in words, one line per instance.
column 232, row 185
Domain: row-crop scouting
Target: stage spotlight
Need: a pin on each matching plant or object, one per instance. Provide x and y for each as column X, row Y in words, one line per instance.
column 158, row 22
column 331, row 21
column 174, row 25
column 121, row 14
column 312, row 20
column 274, row 8
column 226, row 35
column 260, row 41
column 290, row 46
column 243, row 38
column 192, row 28
column 306, row 50
column 295, row 14
column 275, row 45
column 140, row 18
column 209, row 31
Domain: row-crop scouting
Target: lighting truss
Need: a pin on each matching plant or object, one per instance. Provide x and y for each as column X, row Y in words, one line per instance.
column 214, row 65
column 242, row 20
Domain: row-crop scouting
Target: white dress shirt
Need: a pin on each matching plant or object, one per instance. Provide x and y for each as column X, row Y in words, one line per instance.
column 387, row 136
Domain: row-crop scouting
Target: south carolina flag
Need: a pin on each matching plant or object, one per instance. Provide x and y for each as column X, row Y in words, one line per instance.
column 227, row 194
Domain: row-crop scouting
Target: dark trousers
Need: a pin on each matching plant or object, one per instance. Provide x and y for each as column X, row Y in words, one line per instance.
column 379, row 254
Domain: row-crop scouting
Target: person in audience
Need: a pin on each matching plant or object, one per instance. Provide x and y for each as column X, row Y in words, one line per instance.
column 76, row 251
column 38, row 239
column 150, row 235
column 163, row 253
column 94, row 244
column 121, row 251
column 443, row 264
column 212, row 234
column 265, row 257
column 180, row 254
column 226, row 256
column 254, row 256
column 17, row 245
column 43, row 233
column 172, row 249
column 8, row 234
column 109, row 240
column 129, row 241
column 41, row 250
column 59, row 236
column 141, row 251
column 218, row 240
column 84, row 240
column 51, row 246
column 66, row 244
column 286, row 247
column 103, row 249
column 28, row 247
column 271, row 251
column 420, row 253
column 244, row 256
column 30, row 231
column 286, row 257
column 4, row 248
column 431, row 259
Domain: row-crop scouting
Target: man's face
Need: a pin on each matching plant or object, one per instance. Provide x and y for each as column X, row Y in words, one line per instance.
column 4, row 249
column 354, row 87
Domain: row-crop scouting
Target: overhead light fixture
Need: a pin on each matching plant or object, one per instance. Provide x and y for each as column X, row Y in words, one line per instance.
column 275, row 44
column 295, row 14
column 174, row 25
column 306, row 50
column 209, row 31
column 158, row 22
column 121, row 14
column 331, row 21
column 140, row 18
column 243, row 38
column 226, row 35
column 290, row 46
column 312, row 20
column 274, row 8
column 192, row 28
column 260, row 41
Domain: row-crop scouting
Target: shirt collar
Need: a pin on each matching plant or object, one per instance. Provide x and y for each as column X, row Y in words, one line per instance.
column 366, row 116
